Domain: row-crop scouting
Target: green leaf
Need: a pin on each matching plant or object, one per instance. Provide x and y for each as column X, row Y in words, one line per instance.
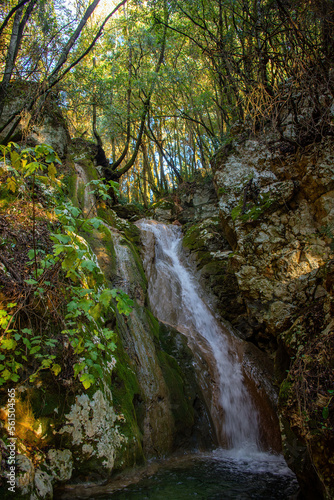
column 93, row 355
column 325, row 412
column 78, row 367
column 6, row 374
column 35, row 349
column 33, row 377
column 89, row 264
column 85, row 305
column 31, row 253
column 28, row 331
column 15, row 159
column 96, row 223
column 98, row 369
column 87, row 380
column 72, row 306
column 8, row 344
column 108, row 334
column 46, row 363
column 31, row 281
column 63, row 238
column 105, row 297
column 32, row 167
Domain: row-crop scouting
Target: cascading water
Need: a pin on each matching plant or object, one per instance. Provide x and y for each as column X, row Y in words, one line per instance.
column 175, row 299
column 238, row 469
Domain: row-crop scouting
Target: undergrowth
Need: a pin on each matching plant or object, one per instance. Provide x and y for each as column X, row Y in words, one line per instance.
column 55, row 302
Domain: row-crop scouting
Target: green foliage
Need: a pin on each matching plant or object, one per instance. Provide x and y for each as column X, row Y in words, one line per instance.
column 252, row 210
column 70, row 271
column 26, row 163
column 101, row 188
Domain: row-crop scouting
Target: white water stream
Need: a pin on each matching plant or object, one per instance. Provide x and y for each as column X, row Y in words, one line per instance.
column 175, row 298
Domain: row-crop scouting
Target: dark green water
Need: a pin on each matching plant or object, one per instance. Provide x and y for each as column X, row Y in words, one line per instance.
column 215, row 476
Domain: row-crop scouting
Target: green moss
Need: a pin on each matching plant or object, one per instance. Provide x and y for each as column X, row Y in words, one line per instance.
column 131, row 231
column 181, row 403
column 163, row 204
column 284, row 391
column 154, row 324
column 127, row 397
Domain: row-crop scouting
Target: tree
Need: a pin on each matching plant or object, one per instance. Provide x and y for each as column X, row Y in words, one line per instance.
column 58, row 68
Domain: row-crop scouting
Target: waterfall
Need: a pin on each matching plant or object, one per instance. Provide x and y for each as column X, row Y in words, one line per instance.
column 176, row 298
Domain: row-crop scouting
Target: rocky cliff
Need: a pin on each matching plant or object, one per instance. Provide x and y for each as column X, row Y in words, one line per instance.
column 138, row 397
column 262, row 239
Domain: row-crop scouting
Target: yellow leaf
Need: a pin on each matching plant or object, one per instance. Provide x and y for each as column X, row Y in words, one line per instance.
column 11, row 184
column 15, row 159
column 56, row 369
column 52, row 171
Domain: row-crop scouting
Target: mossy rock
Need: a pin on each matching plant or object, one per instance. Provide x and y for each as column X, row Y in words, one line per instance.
column 163, row 205
column 127, row 398
column 129, row 211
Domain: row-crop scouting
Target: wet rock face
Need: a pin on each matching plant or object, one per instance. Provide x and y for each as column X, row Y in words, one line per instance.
column 276, row 212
